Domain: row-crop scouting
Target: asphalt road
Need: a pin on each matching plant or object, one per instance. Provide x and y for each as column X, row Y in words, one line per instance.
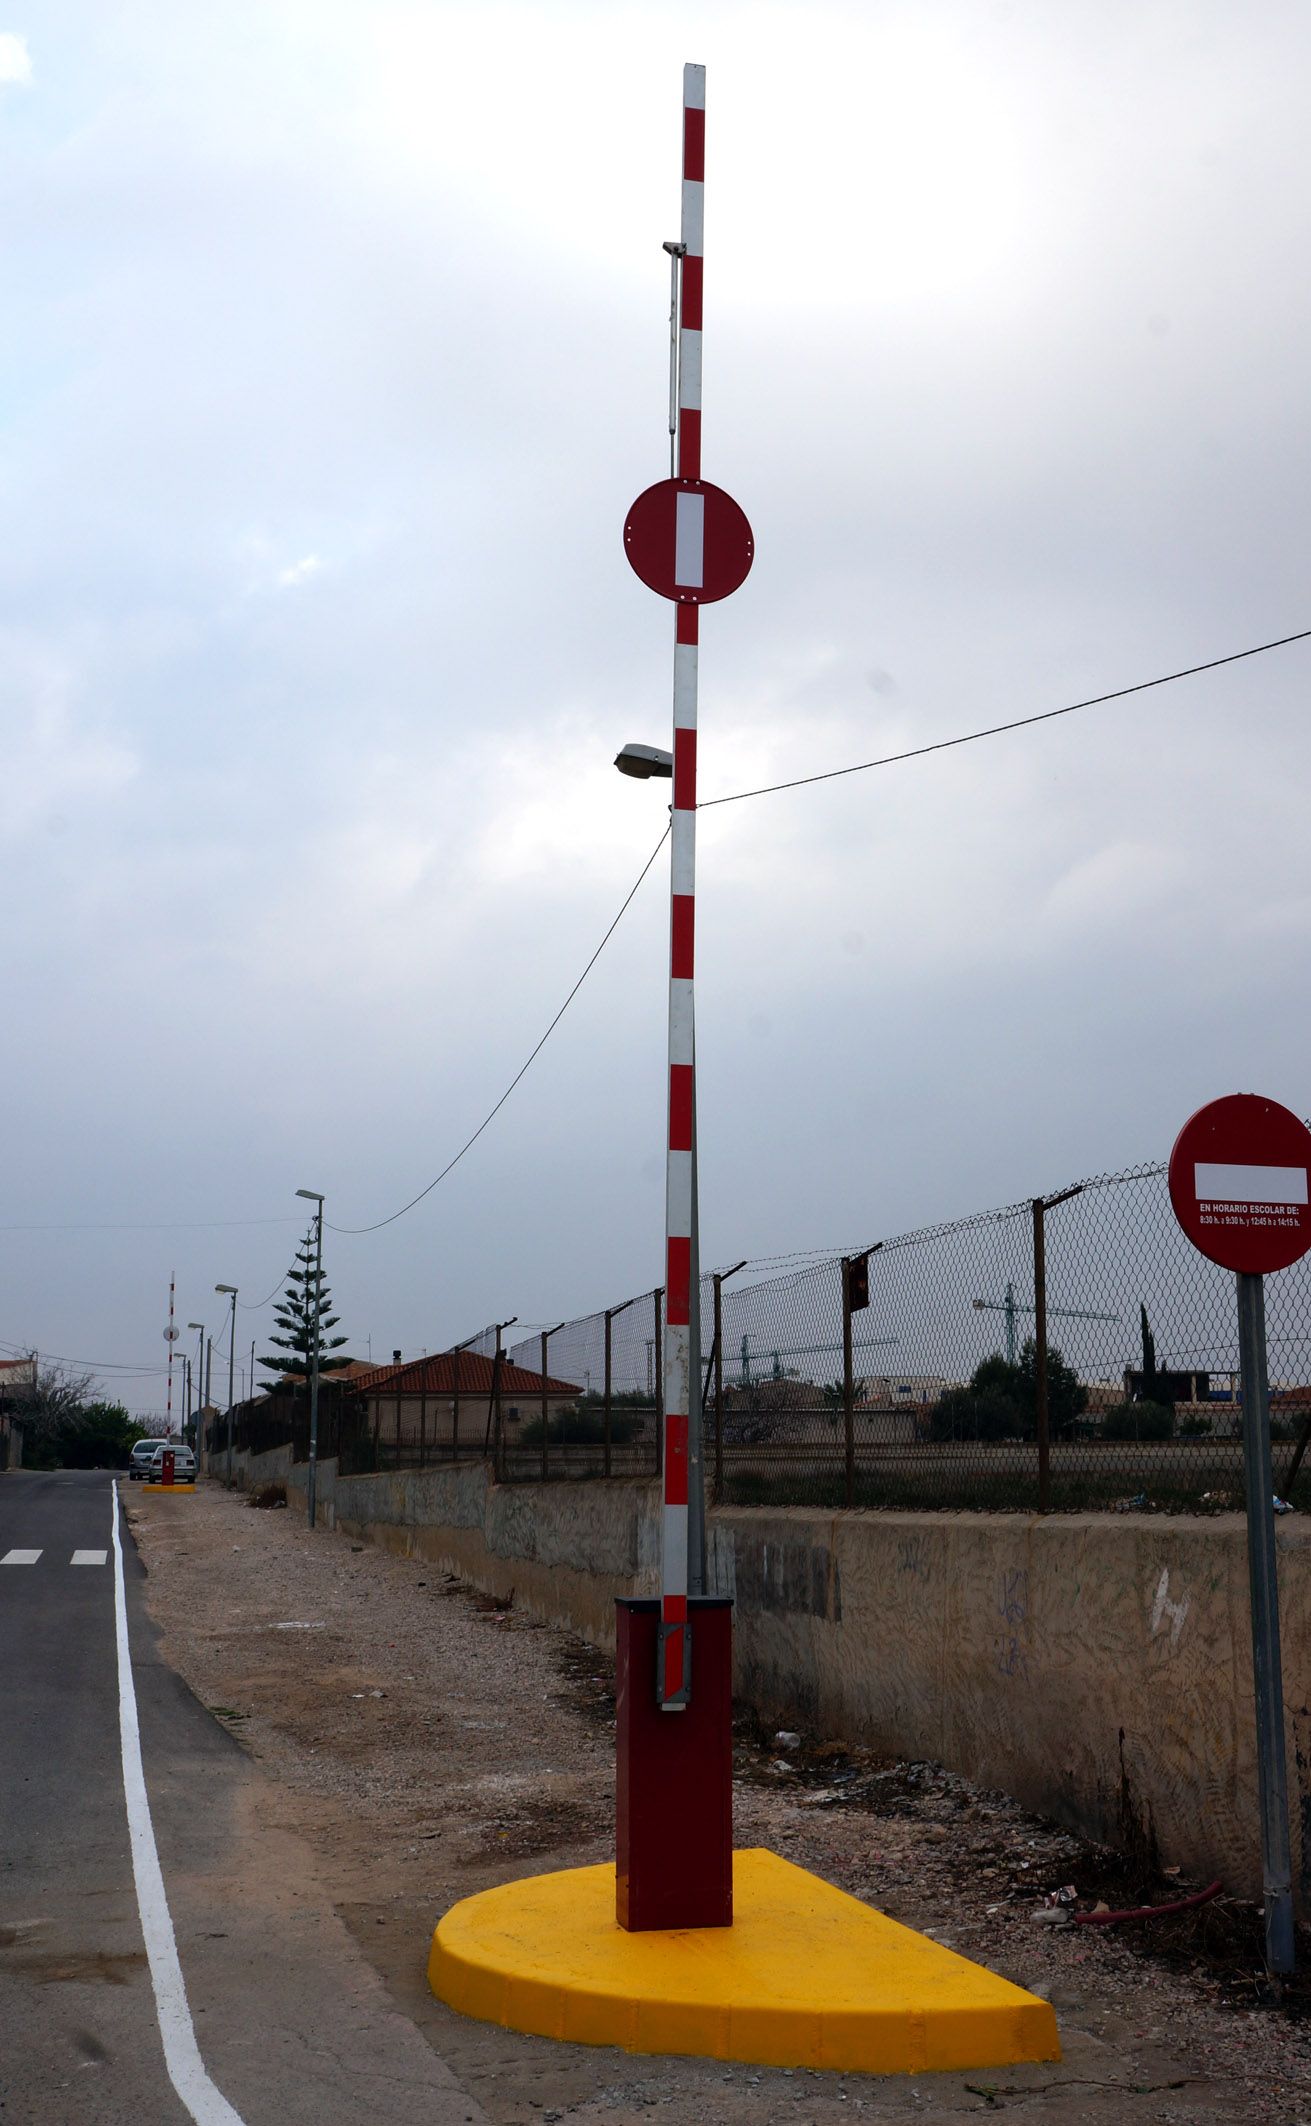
column 293, row 2026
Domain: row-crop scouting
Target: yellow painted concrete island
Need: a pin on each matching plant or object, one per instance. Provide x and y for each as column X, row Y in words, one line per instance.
column 166, row 1487
column 805, row 1977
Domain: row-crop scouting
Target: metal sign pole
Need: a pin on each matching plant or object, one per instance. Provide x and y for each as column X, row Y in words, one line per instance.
column 1272, row 1768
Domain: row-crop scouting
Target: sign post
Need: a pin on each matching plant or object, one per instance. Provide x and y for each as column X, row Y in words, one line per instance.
column 1240, row 1183
column 690, row 543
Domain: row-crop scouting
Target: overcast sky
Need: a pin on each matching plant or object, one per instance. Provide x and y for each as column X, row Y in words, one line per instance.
column 334, row 353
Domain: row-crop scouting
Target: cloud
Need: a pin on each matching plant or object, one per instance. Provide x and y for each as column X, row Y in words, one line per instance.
column 55, row 769
column 300, row 571
column 317, row 862
column 15, row 60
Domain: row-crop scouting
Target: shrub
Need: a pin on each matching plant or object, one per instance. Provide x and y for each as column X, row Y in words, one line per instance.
column 579, row 1428
column 970, row 1413
column 1139, row 1421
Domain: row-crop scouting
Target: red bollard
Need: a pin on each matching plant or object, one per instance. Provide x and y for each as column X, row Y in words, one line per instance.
column 166, row 1466
column 674, row 1798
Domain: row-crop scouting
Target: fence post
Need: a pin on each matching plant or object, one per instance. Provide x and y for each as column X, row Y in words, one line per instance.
column 1042, row 1426
column 1040, row 1353
column 455, row 1410
column 848, row 1388
column 720, row 1277
column 718, row 1493
column 605, row 1416
column 658, row 1368
column 546, row 1337
column 498, row 1442
column 494, row 1436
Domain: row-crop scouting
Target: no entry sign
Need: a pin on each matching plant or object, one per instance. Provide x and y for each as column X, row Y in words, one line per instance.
column 689, row 541
column 1240, row 1179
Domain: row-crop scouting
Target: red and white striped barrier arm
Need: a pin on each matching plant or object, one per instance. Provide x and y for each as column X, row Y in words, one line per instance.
column 674, row 1667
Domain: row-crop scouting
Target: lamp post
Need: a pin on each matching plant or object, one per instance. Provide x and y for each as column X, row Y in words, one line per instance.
column 202, row 1395
column 311, row 1196
column 231, row 1291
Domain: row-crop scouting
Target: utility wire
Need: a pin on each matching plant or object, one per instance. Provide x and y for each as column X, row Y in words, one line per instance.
column 522, row 1072
column 176, row 1225
column 1019, row 723
column 886, row 760
column 252, row 1306
column 137, row 1369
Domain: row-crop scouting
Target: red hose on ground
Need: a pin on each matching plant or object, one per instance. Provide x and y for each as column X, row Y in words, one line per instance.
column 1181, row 1904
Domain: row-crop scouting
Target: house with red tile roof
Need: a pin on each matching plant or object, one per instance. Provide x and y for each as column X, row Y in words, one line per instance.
column 445, row 1403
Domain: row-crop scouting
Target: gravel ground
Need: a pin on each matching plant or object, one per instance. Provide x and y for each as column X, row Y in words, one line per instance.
column 425, row 1742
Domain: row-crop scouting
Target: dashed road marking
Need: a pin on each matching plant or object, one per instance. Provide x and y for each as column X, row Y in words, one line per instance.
column 20, row 1557
column 89, row 1557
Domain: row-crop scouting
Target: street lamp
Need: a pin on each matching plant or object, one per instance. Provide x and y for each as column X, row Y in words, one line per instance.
column 231, row 1290
column 311, row 1196
column 644, row 761
column 202, row 1395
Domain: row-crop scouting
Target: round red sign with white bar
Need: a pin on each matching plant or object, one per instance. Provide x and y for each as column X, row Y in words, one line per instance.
column 689, row 541
column 1240, row 1178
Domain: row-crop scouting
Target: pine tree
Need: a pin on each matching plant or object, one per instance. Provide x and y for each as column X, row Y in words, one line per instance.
column 294, row 1315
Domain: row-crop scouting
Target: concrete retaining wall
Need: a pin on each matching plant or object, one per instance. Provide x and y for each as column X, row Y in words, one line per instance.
column 1096, row 1666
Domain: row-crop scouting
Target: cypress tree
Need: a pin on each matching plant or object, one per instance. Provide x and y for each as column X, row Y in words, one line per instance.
column 1149, row 1358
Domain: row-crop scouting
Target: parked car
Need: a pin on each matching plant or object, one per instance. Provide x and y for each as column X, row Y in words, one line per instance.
column 140, row 1459
column 184, row 1462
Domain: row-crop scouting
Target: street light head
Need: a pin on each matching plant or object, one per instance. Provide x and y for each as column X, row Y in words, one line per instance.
column 310, row 1195
column 226, row 1288
column 197, row 1325
column 644, row 762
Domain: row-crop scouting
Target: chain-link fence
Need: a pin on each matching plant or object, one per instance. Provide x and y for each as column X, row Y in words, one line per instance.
column 1070, row 1352
column 1074, row 1351
column 609, row 1424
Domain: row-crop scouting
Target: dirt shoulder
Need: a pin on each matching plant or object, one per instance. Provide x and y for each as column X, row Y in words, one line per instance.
column 428, row 1743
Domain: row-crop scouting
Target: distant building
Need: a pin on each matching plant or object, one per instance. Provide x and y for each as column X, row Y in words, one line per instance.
column 901, row 1391
column 444, row 1398
column 1167, row 1387
column 17, row 1388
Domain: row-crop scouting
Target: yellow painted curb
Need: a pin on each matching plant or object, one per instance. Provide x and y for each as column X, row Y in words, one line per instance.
column 805, row 1977
column 166, row 1487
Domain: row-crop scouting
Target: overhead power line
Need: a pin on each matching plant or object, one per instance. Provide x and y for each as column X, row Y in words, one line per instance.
column 861, row 767
column 252, row 1306
column 524, row 1068
column 150, row 1225
column 129, row 1368
column 1018, row 723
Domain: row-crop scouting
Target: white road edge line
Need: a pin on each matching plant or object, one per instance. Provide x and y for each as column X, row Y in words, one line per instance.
column 186, row 2069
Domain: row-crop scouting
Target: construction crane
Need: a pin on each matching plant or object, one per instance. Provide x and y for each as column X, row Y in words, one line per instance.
column 1010, row 1306
column 868, row 1343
